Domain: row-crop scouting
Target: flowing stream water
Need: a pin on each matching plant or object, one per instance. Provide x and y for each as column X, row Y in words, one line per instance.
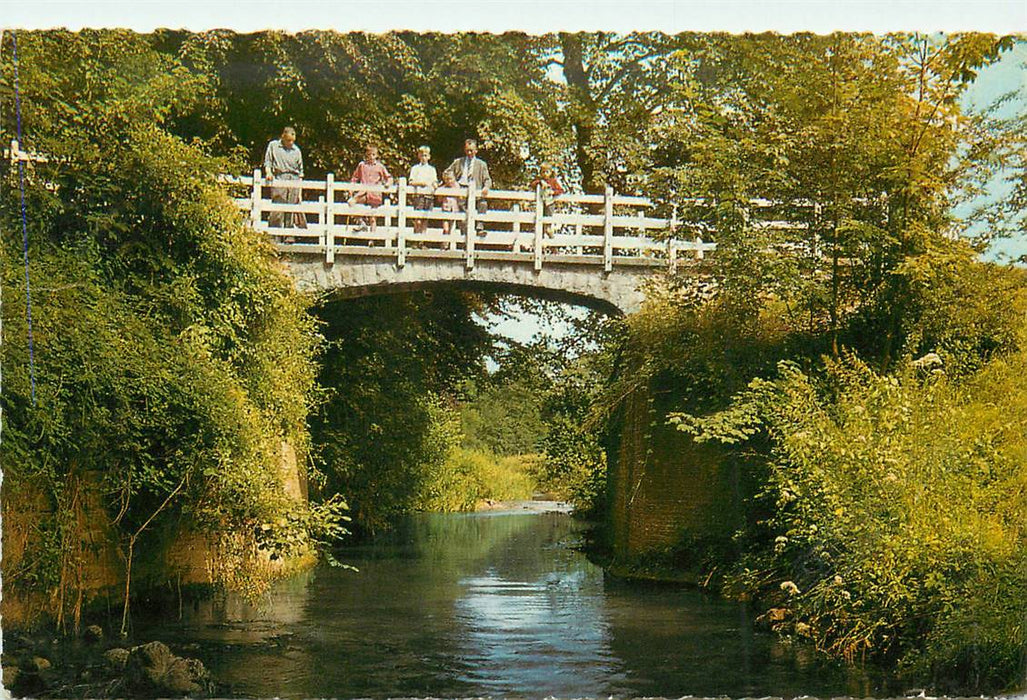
column 493, row 604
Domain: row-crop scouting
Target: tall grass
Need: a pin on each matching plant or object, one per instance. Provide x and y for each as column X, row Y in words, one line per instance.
column 469, row 477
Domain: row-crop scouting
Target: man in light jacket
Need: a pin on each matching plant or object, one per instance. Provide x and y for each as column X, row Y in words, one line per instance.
column 470, row 169
column 284, row 161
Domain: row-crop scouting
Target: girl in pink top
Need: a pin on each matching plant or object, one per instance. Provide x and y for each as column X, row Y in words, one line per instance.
column 370, row 171
column 449, row 203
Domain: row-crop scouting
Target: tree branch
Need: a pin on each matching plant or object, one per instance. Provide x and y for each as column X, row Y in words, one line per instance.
column 623, row 72
column 162, row 506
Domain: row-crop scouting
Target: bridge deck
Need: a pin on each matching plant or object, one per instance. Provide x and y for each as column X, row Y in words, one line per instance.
column 600, row 230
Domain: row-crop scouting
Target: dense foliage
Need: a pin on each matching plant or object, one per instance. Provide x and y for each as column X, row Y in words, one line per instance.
column 387, row 423
column 171, row 357
column 860, row 368
column 895, row 524
column 468, row 479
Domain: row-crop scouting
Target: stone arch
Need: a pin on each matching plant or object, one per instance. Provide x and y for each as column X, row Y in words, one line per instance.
column 615, row 292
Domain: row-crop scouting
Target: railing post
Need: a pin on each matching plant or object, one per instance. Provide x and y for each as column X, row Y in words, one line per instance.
column 699, row 253
column 641, row 234
column 608, row 229
column 538, row 227
column 401, row 223
column 330, row 219
column 387, row 220
column 578, row 232
column 321, row 218
column 472, row 209
column 516, row 228
column 254, row 197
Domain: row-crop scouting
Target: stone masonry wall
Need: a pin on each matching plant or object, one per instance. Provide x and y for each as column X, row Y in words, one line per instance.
column 98, row 565
column 665, row 489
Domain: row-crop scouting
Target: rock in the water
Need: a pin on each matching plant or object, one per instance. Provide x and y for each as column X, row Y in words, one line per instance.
column 116, row 658
column 93, row 633
column 153, row 667
column 40, row 664
column 185, row 676
column 147, row 663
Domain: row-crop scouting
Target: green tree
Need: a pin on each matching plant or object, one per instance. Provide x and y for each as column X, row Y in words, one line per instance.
column 614, row 86
column 172, row 356
column 398, row 90
column 856, row 137
column 390, row 366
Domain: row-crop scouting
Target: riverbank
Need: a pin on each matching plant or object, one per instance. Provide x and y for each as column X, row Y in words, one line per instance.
column 97, row 665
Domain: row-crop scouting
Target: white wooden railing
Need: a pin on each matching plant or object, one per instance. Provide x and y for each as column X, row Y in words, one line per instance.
column 603, row 230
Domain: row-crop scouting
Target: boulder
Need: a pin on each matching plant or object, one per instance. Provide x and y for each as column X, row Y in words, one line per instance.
column 185, row 677
column 153, row 668
column 116, row 658
column 147, row 664
column 93, row 633
column 40, row 664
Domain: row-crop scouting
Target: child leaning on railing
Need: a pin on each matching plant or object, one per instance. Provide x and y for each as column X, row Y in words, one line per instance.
column 370, row 171
column 551, row 189
column 449, row 202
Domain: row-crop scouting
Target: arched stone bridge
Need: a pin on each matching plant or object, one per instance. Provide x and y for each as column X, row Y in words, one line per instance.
column 619, row 291
column 594, row 250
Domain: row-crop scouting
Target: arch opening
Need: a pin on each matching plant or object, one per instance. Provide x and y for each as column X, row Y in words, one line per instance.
column 458, row 395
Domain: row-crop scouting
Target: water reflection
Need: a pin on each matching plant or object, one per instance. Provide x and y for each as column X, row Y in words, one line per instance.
column 492, row 604
column 541, row 630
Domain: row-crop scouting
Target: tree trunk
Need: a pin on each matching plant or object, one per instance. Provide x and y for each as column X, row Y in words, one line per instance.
column 582, row 109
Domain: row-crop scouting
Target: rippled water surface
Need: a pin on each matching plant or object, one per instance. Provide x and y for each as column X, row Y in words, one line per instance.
column 493, row 604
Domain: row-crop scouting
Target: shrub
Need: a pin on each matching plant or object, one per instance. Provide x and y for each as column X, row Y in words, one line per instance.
column 897, row 526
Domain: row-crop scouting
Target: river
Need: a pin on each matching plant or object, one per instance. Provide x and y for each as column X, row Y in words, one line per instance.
column 493, row 603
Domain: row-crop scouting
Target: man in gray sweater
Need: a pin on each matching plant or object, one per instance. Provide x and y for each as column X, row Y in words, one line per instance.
column 284, row 161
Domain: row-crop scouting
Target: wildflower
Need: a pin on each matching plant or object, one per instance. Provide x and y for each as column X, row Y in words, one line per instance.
column 928, row 361
column 790, row 588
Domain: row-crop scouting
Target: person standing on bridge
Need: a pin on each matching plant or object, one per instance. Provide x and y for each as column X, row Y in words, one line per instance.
column 550, row 189
column 425, row 178
column 471, row 169
column 284, row 161
column 449, row 203
column 370, row 171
